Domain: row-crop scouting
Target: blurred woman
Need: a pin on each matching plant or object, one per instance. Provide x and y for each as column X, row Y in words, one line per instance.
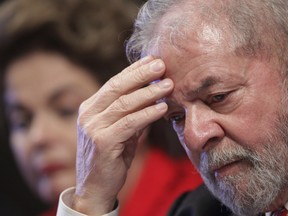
column 54, row 55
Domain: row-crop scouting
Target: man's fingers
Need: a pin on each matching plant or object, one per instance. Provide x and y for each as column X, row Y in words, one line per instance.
column 129, row 125
column 139, row 63
column 136, row 100
column 128, row 80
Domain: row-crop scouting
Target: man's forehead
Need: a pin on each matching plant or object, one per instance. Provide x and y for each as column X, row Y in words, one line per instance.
column 183, row 29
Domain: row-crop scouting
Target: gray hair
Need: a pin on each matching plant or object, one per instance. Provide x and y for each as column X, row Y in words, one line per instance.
column 148, row 17
column 258, row 28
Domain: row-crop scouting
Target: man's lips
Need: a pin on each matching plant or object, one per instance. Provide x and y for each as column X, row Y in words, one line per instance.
column 228, row 168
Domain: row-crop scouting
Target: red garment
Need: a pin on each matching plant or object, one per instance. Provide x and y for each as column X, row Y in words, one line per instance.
column 161, row 182
column 51, row 212
column 280, row 212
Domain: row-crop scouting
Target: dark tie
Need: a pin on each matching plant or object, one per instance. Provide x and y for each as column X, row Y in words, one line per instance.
column 280, row 212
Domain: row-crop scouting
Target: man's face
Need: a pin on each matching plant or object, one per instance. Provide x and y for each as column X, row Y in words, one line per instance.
column 228, row 114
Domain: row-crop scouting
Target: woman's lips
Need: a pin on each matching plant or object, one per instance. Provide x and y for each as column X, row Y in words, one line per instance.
column 50, row 169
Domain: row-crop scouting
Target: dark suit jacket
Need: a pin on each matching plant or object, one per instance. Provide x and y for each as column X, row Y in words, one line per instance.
column 199, row 202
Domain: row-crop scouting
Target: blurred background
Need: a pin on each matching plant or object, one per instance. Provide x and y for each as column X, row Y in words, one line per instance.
column 76, row 32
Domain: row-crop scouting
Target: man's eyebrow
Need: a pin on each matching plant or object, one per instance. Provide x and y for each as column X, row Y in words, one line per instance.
column 205, row 84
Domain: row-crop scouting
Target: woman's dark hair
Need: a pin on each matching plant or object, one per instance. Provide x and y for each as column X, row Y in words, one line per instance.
column 90, row 33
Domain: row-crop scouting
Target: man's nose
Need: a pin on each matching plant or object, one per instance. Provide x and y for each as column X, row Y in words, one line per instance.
column 202, row 127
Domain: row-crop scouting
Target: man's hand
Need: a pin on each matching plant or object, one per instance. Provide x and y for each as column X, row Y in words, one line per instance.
column 109, row 125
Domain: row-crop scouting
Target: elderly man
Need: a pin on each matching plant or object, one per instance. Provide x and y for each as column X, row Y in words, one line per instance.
column 217, row 71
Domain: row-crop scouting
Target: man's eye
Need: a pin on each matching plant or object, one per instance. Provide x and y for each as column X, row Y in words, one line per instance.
column 176, row 119
column 218, row 98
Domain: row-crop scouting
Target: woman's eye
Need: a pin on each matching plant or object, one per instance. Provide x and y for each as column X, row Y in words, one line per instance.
column 67, row 112
column 20, row 122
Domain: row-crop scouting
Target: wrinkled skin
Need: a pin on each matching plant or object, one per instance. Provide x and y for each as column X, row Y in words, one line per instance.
column 224, row 103
column 109, row 125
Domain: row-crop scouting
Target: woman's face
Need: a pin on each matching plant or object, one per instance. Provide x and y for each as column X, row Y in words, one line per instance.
column 43, row 91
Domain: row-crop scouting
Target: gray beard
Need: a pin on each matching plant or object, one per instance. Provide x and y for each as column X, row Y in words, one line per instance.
column 251, row 192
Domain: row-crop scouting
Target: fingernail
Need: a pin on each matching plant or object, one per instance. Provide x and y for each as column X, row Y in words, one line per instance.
column 165, row 83
column 161, row 106
column 157, row 66
column 146, row 59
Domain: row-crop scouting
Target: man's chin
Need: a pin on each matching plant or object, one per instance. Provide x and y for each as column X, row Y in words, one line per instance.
column 231, row 191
